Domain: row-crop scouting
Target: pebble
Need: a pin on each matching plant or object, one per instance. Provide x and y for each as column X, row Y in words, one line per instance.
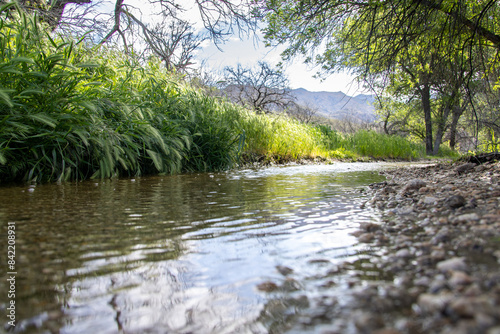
column 439, row 243
column 459, row 278
column 464, row 168
column 405, row 210
column 431, row 304
column 414, row 185
column 429, row 200
column 284, row 270
column 403, row 253
column 494, row 330
column 455, row 201
column 467, row 217
column 366, row 237
column 367, row 322
column 267, row 286
column 455, row 263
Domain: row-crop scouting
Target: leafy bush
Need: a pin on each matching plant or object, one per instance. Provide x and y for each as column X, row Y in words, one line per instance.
column 279, row 137
column 65, row 115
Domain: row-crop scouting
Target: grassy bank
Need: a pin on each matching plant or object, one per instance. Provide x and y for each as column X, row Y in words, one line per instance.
column 69, row 111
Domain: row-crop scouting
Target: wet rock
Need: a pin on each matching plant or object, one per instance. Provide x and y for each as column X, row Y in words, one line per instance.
column 464, row 168
column 284, row 270
column 432, row 304
column 267, row 286
column 455, row 263
column 455, row 201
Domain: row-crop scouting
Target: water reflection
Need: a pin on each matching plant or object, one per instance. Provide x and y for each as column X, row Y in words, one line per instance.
column 180, row 253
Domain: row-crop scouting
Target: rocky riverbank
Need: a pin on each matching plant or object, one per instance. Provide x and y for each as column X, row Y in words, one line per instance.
column 440, row 241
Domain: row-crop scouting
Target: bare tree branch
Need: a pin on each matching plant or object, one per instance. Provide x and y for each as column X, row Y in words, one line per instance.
column 263, row 89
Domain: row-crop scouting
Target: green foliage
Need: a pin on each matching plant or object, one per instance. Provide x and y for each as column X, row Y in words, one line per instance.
column 279, row 137
column 443, row 53
column 67, row 112
column 370, row 144
column 490, row 143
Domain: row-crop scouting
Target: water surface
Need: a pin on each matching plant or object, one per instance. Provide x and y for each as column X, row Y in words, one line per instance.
column 184, row 253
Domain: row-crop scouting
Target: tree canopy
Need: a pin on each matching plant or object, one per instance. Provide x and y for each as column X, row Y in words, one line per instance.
column 432, row 49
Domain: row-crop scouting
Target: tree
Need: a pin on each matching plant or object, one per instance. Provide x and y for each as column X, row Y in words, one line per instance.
column 173, row 39
column 263, row 89
column 384, row 41
column 301, row 112
column 50, row 11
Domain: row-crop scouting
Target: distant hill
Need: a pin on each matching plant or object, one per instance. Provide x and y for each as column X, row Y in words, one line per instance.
column 338, row 105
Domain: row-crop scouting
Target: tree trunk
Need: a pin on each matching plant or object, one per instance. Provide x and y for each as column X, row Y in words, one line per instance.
column 457, row 112
column 426, row 105
column 441, row 129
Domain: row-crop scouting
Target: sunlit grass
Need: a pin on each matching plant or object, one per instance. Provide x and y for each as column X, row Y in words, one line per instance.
column 279, row 137
column 371, row 144
column 69, row 112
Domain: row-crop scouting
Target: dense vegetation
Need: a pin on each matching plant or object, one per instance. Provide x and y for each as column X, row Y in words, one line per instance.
column 72, row 111
column 435, row 65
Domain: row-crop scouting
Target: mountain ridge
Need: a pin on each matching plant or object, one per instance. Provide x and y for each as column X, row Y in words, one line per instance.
column 338, row 105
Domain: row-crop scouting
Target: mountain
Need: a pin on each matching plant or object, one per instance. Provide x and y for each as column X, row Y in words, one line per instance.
column 338, row 105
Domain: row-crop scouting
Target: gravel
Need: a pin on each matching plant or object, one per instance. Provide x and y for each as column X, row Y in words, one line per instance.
column 440, row 238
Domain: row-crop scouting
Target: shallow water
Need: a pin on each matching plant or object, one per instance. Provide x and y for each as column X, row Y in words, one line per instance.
column 186, row 253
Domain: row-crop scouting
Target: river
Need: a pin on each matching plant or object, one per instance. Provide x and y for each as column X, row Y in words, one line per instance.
column 247, row 251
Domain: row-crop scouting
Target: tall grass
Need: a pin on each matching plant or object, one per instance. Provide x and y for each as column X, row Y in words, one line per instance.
column 67, row 112
column 279, row 138
column 372, row 144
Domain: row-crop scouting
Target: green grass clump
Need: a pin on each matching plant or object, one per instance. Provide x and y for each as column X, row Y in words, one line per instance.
column 380, row 145
column 69, row 112
column 370, row 144
column 279, row 137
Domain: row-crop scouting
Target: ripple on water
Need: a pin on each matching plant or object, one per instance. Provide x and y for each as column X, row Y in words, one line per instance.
column 185, row 253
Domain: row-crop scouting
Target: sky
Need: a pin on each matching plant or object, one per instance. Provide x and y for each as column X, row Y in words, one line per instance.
column 248, row 52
